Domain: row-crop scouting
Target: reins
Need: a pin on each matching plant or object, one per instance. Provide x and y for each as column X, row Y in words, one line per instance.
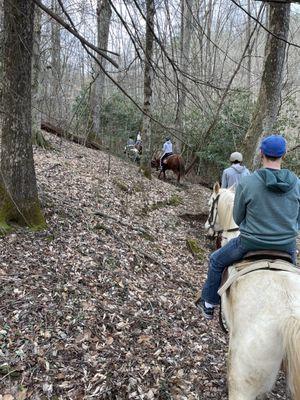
column 223, row 327
column 212, row 219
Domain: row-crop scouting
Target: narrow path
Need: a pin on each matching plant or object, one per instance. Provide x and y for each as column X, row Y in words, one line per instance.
column 100, row 305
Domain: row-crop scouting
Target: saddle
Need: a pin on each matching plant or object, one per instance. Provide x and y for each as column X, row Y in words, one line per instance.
column 255, row 260
column 166, row 158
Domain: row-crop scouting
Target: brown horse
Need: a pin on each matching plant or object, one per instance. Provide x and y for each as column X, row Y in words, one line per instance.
column 174, row 162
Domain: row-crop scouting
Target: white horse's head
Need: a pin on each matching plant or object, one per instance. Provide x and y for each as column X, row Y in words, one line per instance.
column 220, row 219
column 212, row 224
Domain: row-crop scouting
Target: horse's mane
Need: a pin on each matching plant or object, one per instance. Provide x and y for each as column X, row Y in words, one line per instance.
column 225, row 209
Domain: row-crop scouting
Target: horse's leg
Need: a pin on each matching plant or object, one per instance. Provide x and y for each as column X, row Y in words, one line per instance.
column 254, row 360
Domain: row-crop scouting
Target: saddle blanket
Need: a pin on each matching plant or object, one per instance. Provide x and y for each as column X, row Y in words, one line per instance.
column 244, row 267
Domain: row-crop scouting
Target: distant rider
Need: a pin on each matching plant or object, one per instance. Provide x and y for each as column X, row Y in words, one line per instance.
column 167, row 151
column 138, row 138
column 232, row 175
column 129, row 145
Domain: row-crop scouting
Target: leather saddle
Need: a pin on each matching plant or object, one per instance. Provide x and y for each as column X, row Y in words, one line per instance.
column 257, row 255
column 267, row 254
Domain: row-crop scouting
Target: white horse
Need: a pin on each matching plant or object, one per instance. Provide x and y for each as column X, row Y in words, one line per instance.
column 132, row 153
column 220, row 214
column 262, row 312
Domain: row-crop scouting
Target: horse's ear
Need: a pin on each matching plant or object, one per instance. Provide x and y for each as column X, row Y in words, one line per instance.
column 216, row 187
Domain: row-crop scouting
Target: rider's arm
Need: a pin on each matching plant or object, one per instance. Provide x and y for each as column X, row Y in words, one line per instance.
column 239, row 208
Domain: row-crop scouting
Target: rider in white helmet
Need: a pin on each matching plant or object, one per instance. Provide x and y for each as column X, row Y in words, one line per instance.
column 232, row 175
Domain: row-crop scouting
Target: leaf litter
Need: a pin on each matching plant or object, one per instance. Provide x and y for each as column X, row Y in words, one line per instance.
column 100, row 305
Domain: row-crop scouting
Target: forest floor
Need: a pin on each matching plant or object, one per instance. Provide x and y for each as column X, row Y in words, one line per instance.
column 100, row 305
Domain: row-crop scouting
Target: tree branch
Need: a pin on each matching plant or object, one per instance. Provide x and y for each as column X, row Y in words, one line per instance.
column 76, row 34
column 262, row 25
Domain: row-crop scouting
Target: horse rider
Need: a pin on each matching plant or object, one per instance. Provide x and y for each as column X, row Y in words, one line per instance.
column 167, row 151
column 232, row 175
column 138, row 139
column 130, row 144
column 267, row 211
column 139, row 143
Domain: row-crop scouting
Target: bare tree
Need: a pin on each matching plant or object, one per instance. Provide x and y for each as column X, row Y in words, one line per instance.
column 18, row 190
column 185, row 47
column 104, row 13
column 268, row 102
column 56, row 81
column 148, row 77
column 37, row 136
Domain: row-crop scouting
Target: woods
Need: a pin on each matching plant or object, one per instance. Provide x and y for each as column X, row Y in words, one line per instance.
column 215, row 76
column 100, row 260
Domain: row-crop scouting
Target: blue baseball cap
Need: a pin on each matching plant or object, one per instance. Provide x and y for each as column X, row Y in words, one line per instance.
column 273, row 146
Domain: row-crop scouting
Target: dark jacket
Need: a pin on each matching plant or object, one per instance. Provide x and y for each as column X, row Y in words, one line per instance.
column 267, row 209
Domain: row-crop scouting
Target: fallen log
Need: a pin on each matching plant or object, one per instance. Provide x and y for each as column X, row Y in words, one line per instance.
column 58, row 131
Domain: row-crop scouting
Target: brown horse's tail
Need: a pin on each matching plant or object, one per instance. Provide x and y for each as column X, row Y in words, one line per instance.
column 181, row 166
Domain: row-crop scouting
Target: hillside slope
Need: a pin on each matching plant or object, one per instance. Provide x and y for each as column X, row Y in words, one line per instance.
column 100, row 305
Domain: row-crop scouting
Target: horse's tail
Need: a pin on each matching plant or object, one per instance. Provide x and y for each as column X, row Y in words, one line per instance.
column 181, row 166
column 291, row 342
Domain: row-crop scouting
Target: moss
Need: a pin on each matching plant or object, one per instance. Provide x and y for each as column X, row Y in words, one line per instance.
column 147, row 236
column 195, row 249
column 146, row 171
column 50, row 238
column 102, row 227
column 175, row 200
column 4, row 229
column 28, row 214
column 34, row 217
column 121, row 185
column 38, row 139
column 138, row 187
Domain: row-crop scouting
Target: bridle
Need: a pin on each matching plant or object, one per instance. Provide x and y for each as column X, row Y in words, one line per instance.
column 212, row 218
column 213, row 214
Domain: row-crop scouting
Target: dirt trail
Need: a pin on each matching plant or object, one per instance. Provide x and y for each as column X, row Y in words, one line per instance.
column 100, row 305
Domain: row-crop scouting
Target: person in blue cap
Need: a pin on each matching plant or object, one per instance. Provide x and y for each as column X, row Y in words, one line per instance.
column 267, row 211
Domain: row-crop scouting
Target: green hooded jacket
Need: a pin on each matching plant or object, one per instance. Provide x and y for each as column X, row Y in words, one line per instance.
column 267, row 209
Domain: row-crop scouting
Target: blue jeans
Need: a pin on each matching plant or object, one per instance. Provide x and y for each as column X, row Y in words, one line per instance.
column 232, row 252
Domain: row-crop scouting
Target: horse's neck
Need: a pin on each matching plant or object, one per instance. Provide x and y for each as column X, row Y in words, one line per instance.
column 225, row 210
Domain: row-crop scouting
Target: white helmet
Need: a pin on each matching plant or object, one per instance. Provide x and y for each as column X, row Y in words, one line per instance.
column 236, row 156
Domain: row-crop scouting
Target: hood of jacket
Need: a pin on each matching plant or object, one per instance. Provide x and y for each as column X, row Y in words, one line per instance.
column 238, row 168
column 278, row 180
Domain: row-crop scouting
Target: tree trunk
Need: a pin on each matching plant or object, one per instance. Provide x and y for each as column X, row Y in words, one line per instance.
column 265, row 115
column 248, row 29
column 56, row 92
column 103, row 22
column 148, row 81
column 18, row 191
column 185, row 47
column 37, row 136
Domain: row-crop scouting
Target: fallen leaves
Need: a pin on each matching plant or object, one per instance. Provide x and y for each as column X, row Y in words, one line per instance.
column 100, row 305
